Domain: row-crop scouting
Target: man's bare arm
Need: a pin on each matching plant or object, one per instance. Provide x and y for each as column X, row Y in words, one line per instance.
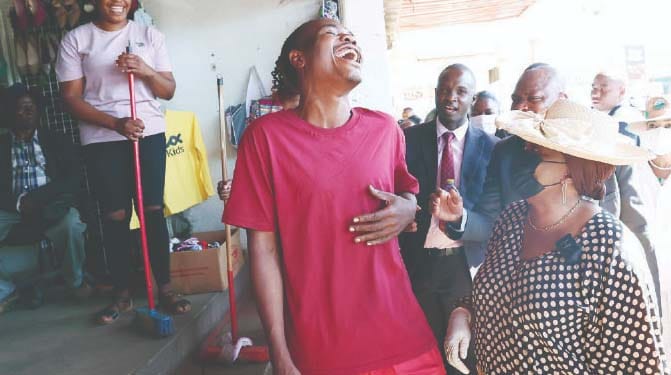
column 269, row 292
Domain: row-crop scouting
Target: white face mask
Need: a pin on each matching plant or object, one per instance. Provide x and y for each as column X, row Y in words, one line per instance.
column 657, row 140
column 485, row 122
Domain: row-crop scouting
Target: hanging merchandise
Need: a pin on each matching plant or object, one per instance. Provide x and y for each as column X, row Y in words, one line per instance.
column 255, row 90
column 329, row 9
column 142, row 17
column 236, row 122
column 187, row 173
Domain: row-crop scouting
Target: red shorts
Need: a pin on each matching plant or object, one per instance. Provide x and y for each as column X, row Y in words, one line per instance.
column 429, row 363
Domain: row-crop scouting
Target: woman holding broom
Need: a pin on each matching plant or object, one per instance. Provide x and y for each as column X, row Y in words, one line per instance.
column 92, row 69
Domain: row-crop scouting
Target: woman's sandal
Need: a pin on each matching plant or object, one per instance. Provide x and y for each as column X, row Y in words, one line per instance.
column 111, row 313
column 173, row 303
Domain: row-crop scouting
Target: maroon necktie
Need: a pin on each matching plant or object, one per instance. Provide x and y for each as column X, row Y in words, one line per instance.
column 446, row 161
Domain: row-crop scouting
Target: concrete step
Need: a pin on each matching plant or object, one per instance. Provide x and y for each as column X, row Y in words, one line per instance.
column 61, row 337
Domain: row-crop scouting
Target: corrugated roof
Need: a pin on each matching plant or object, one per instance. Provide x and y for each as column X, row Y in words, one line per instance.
column 421, row 14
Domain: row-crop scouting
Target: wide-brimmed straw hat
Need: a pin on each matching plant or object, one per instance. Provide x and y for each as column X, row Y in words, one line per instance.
column 657, row 109
column 575, row 130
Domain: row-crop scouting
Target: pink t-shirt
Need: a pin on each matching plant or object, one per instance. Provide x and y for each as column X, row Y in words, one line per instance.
column 349, row 307
column 90, row 52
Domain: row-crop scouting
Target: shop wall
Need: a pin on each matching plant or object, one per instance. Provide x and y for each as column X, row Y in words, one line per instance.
column 228, row 37
column 207, row 37
column 210, row 37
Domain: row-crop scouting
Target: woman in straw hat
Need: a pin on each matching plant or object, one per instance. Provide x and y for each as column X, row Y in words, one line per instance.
column 565, row 286
column 655, row 192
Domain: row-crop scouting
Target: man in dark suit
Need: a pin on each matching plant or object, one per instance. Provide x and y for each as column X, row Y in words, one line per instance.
column 445, row 151
column 40, row 177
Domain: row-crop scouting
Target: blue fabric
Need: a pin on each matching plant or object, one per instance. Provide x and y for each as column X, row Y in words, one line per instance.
column 28, row 165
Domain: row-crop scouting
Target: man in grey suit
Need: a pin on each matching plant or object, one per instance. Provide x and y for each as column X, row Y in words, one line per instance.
column 445, row 150
column 509, row 173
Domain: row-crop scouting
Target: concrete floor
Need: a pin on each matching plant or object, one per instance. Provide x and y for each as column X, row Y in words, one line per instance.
column 61, row 338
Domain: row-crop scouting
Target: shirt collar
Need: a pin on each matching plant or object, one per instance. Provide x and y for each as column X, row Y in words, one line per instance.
column 35, row 139
column 459, row 133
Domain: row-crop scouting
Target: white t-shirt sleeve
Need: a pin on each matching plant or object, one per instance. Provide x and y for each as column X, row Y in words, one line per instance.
column 161, row 58
column 69, row 62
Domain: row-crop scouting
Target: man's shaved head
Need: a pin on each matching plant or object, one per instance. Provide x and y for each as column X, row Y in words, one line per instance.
column 539, row 86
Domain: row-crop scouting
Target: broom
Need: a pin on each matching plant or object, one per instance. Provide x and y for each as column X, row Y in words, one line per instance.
column 147, row 319
column 234, row 347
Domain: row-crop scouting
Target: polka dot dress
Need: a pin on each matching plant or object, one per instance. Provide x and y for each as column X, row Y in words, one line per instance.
column 548, row 316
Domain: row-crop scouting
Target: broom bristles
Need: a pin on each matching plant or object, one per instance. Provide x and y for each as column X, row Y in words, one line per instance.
column 153, row 322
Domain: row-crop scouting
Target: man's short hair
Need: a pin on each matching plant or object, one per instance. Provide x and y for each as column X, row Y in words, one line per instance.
column 482, row 95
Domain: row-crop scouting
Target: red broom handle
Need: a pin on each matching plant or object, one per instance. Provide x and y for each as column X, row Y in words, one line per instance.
column 229, row 249
column 140, row 199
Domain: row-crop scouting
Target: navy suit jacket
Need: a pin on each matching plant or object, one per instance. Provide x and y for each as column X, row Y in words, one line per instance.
column 422, row 160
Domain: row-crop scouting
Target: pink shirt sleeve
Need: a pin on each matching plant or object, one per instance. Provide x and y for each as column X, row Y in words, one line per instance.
column 161, row 58
column 69, row 62
column 252, row 204
column 404, row 182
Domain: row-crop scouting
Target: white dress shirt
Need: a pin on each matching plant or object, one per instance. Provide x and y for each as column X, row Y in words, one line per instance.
column 436, row 238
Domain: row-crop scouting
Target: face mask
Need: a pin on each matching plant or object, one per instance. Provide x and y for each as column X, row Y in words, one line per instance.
column 523, row 179
column 485, row 122
column 657, row 140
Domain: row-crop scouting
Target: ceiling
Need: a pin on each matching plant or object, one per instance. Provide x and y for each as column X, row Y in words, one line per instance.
column 421, row 14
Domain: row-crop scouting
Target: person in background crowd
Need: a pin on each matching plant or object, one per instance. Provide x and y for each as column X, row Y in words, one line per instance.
column 608, row 95
column 485, row 109
column 40, row 176
column 92, row 68
column 446, row 150
column 508, row 175
column 655, row 192
column 565, row 287
column 409, row 118
column 323, row 191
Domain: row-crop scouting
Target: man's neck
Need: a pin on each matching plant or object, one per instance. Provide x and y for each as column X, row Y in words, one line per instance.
column 325, row 111
column 24, row 134
column 452, row 126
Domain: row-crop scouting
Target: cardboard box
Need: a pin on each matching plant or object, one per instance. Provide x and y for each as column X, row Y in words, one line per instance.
column 193, row 272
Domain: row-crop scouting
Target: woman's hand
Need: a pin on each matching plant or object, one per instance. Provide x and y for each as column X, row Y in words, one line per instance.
column 130, row 63
column 129, row 128
column 458, row 338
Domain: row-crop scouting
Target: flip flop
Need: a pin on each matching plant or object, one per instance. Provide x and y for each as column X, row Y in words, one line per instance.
column 21, row 60
column 45, row 57
column 19, row 16
column 60, row 14
column 39, row 15
column 74, row 12
column 33, row 54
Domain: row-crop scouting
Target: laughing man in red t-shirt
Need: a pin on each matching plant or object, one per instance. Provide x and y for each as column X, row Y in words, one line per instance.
column 323, row 191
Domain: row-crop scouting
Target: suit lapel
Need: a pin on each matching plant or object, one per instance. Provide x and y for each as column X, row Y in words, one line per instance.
column 430, row 152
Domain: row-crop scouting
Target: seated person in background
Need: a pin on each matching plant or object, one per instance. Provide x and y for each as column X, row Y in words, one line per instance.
column 483, row 113
column 40, row 177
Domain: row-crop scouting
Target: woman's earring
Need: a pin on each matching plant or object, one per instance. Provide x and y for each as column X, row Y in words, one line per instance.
column 563, row 191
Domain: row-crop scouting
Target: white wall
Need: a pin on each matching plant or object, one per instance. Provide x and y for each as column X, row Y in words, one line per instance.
column 241, row 34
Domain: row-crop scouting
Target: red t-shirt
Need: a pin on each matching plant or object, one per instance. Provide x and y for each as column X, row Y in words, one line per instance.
column 349, row 307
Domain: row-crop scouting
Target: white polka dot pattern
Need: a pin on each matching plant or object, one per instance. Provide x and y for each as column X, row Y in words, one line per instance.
column 545, row 316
